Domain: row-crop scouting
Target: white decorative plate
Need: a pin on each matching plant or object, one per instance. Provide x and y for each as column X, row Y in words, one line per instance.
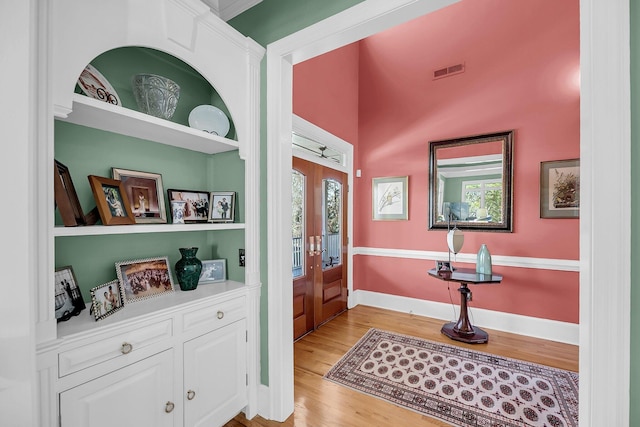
column 94, row 84
column 209, row 119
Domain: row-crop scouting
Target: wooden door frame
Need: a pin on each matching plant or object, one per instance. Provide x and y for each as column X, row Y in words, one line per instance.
column 605, row 140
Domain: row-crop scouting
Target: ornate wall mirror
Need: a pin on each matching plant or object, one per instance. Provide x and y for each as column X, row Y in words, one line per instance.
column 471, row 182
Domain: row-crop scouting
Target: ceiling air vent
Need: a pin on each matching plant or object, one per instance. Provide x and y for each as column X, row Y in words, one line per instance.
column 448, row 71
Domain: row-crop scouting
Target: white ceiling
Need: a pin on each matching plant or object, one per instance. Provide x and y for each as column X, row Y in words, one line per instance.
column 227, row 9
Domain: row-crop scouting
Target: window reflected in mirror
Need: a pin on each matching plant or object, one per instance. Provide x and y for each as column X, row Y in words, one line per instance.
column 471, row 182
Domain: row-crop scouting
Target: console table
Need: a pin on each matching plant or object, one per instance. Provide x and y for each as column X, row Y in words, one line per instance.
column 462, row 330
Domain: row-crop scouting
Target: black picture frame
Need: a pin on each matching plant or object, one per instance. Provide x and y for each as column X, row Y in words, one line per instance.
column 196, row 207
column 68, row 297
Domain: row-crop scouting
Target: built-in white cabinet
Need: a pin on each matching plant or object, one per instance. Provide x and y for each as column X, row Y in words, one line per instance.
column 212, row 395
column 180, row 359
column 184, row 365
column 140, row 394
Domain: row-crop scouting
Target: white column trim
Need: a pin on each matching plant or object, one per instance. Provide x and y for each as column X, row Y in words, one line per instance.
column 605, row 247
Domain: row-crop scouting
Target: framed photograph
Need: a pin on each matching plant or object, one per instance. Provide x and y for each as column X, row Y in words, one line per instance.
column 196, row 206
column 111, row 198
column 443, row 266
column 145, row 193
column 68, row 298
column 241, row 257
column 144, row 278
column 106, row 299
column 66, row 199
column 560, row 189
column 214, row 270
column 390, row 198
column 222, row 206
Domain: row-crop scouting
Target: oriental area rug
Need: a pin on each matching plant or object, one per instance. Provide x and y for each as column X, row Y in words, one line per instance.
column 457, row 385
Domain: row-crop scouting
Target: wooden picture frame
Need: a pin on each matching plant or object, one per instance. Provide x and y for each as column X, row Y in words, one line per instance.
column 145, row 278
column 106, row 299
column 66, row 199
column 68, row 298
column 560, row 189
column 145, row 193
column 222, row 206
column 196, row 208
column 111, row 198
column 214, row 270
column 389, row 198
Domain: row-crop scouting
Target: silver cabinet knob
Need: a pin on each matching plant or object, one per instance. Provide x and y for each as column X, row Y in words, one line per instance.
column 220, row 314
column 126, row 348
column 191, row 394
column 169, row 407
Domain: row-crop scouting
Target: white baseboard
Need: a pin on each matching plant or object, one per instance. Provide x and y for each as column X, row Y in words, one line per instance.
column 514, row 323
column 264, row 401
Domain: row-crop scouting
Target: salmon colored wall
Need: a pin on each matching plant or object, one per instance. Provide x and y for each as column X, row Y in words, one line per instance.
column 325, row 92
column 522, row 64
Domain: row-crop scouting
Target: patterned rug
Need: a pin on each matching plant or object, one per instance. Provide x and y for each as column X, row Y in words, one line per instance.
column 456, row 385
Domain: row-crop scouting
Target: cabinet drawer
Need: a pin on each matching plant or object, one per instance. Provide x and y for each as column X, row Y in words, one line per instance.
column 215, row 315
column 110, row 347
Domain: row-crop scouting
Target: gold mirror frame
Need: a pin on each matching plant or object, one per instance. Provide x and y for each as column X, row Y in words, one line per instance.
column 469, row 147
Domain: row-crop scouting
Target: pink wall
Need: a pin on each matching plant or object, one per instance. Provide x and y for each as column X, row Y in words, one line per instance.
column 325, row 92
column 522, row 63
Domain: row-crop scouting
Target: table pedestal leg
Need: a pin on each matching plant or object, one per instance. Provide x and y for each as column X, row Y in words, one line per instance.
column 462, row 330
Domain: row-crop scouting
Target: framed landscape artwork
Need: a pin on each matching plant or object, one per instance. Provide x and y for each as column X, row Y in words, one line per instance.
column 560, row 189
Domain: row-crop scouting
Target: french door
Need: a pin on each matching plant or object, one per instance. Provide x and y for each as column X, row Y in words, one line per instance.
column 319, row 241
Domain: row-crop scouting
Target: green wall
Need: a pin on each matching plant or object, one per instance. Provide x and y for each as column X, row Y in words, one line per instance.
column 265, row 23
column 88, row 151
column 634, row 416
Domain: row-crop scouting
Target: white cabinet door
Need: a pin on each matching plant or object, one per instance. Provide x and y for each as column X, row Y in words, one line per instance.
column 140, row 394
column 215, row 384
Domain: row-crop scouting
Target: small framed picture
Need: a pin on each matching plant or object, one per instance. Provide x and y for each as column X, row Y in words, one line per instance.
column 106, row 299
column 111, row 198
column 144, row 278
column 214, row 270
column 560, row 189
column 389, row 198
column 195, row 207
column 443, row 266
column 66, row 199
column 145, row 193
column 68, row 298
column 241, row 257
column 222, row 206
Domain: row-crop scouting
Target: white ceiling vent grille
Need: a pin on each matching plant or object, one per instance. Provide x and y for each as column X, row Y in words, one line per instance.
column 451, row 70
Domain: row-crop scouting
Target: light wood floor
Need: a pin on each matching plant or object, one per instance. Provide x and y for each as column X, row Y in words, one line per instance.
column 320, row 403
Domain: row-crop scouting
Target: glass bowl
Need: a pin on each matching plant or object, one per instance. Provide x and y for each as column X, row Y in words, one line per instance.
column 155, row 95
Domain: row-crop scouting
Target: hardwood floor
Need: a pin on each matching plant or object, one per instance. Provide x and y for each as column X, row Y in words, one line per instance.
column 320, row 403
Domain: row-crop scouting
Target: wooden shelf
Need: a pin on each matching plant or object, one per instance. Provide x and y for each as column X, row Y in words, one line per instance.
column 99, row 230
column 112, row 118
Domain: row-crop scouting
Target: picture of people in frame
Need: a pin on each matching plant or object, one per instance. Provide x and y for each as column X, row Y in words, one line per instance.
column 114, row 200
column 196, row 208
column 68, row 298
column 222, row 207
column 144, row 278
column 106, row 299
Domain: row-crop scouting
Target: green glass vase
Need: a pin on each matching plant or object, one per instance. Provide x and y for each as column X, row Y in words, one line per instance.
column 188, row 269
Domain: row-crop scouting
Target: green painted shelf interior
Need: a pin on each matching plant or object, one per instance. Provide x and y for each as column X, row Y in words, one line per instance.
column 87, row 151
